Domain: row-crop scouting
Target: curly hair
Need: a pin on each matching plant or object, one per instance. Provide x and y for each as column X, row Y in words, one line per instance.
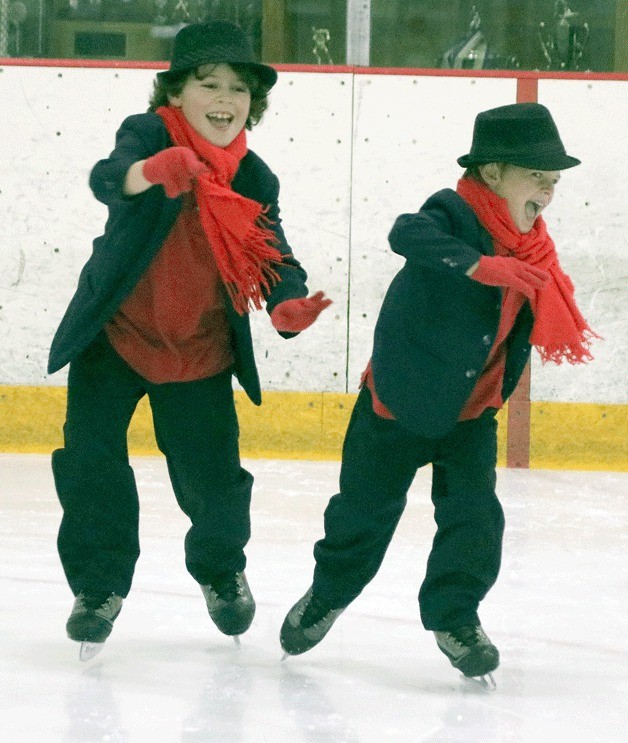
column 473, row 172
column 163, row 89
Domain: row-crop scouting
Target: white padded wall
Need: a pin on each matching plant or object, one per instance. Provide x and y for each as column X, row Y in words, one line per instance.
column 352, row 153
column 589, row 222
column 305, row 137
column 57, row 123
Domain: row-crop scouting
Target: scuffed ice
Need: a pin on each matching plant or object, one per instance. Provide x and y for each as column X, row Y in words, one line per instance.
column 165, row 674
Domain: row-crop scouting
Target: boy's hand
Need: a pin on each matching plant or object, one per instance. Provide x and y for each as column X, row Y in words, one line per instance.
column 175, row 168
column 500, row 270
column 295, row 315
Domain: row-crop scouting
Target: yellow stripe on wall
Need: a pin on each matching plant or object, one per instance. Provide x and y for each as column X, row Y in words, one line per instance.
column 304, row 425
column 579, row 436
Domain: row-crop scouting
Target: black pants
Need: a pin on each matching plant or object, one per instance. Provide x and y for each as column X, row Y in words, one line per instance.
column 380, row 460
column 196, row 428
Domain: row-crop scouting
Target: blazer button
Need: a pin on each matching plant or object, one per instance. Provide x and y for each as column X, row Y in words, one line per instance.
column 486, row 340
column 470, row 373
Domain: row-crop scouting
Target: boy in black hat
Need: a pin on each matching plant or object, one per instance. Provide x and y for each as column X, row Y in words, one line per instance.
column 193, row 242
column 480, row 285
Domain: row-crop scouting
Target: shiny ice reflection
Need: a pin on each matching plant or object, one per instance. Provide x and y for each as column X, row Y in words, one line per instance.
column 557, row 614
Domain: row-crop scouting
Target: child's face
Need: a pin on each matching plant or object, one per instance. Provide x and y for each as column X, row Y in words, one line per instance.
column 528, row 192
column 217, row 106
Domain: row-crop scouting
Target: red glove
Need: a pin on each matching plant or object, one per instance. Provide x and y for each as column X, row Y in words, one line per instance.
column 175, row 168
column 295, row 315
column 499, row 270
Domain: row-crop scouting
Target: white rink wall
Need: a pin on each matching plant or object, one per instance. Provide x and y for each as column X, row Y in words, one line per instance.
column 352, row 152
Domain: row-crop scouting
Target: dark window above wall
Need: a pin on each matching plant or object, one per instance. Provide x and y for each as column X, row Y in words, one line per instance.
column 500, row 34
column 584, row 35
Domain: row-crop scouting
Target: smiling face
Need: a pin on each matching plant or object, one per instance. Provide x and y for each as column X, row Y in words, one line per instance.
column 216, row 102
column 527, row 192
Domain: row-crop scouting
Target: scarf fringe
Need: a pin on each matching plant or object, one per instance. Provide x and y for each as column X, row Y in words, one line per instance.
column 249, row 273
column 578, row 354
column 254, row 274
column 237, row 228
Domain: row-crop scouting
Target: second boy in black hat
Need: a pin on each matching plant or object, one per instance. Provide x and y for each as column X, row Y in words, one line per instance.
column 480, row 285
column 192, row 243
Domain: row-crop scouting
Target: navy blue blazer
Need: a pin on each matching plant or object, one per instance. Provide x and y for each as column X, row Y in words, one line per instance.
column 436, row 325
column 135, row 231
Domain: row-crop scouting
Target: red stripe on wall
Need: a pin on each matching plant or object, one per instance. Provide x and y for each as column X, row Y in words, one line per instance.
column 518, row 441
column 519, row 75
column 527, row 89
column 518, row 436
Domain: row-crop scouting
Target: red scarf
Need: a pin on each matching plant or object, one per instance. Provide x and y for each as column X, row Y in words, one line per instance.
column 236, row 227
column 559, row 331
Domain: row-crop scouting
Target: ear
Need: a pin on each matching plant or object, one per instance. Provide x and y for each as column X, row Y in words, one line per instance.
column 491, row 173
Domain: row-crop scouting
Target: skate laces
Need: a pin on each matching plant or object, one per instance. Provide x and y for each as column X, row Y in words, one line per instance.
column 227, row 587
column 95, row 600
column 314, row 612
column 467, row 636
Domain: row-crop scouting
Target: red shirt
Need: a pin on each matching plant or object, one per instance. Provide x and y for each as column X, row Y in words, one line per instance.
column 174, row 327
column 487, row 391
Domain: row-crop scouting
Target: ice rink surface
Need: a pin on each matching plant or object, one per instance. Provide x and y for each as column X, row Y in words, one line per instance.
column 558, row 615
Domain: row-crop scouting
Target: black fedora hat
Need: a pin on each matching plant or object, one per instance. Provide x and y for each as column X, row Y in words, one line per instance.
column 522, row 134
column 214, row 43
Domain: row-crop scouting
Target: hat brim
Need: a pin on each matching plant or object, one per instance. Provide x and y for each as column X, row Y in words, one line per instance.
column 267, row 75
column 545, row 162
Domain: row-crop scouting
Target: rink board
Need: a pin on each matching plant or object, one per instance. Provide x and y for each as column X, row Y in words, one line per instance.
column 311, row 425
column 352, row 151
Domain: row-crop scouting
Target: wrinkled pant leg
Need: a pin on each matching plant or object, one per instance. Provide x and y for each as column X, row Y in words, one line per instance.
column 197, row 430
column 466, row 553
column 98, row 536
column 379, row 462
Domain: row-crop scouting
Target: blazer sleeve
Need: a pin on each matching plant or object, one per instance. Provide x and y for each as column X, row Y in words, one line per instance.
column 138, row 137
column 440, row 236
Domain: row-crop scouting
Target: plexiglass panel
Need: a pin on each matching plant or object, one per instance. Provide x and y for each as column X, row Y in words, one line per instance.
column 473, row 34
column 499, row 34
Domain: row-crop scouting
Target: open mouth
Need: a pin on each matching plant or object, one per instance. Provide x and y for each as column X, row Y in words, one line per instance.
column 533, row 209
column 220, row 120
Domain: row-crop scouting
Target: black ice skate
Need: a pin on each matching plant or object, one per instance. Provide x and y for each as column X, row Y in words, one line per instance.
column 305, row 625
column 230, row 604
column 91, row 621
column 469, row 649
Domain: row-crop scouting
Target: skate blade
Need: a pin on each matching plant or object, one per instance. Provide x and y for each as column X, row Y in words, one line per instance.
column 486, row 682
column 90, row 649
column 236, row 639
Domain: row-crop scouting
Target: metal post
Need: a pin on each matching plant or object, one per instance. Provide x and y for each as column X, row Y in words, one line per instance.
column 40, row 29
column 358, row 32
column 4, row 28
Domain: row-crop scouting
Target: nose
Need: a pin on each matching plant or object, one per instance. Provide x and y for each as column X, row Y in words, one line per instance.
column 548, row 187
column 223, row 94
